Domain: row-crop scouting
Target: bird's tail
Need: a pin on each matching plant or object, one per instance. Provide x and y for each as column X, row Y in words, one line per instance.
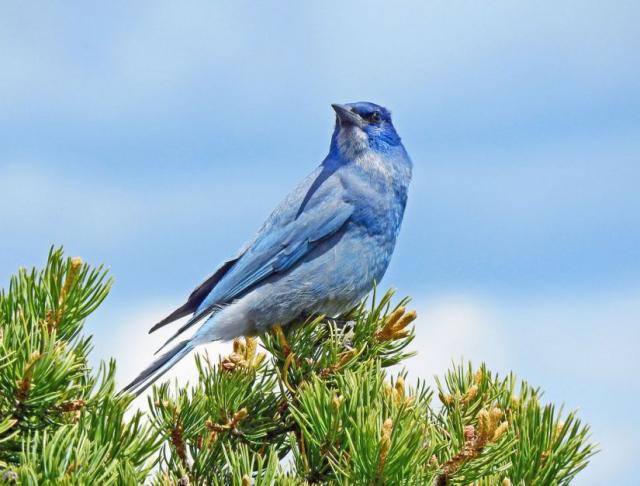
column 158, row 368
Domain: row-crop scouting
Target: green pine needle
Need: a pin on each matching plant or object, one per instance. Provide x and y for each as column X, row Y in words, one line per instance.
column 313, row 404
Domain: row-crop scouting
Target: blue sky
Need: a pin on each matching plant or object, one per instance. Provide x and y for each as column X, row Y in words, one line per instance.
column 156, row 137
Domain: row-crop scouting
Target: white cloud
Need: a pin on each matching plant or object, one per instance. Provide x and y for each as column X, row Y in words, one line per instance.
column 453, row 328
column 587, row 337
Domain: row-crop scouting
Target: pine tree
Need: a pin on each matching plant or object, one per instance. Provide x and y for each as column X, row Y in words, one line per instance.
column 313, row 404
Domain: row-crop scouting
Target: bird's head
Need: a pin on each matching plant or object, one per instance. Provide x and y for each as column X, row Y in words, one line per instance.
column 362, row 126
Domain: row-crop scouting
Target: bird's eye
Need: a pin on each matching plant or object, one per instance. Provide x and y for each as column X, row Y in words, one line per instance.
column 375, row 117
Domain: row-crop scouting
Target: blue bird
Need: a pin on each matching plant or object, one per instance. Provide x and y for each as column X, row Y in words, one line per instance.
column 321, row 250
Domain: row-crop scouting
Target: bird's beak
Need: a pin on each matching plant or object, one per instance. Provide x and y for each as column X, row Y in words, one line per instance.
column 346, row 116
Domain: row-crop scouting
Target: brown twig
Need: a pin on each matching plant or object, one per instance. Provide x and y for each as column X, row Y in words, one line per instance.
column 177, row 440
column 490, row 429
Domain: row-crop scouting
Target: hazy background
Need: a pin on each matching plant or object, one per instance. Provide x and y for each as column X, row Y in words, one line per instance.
column 156, row 138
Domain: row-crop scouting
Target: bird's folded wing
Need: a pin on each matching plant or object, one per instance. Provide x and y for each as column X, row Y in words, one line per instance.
column 274, row 250
column 279, row 249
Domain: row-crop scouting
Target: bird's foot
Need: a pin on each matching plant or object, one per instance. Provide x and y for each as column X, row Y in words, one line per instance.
column 347, row 327
column 345, row 324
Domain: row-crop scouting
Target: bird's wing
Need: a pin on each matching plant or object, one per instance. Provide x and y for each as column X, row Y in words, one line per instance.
column 280, row 249
column 276, row 248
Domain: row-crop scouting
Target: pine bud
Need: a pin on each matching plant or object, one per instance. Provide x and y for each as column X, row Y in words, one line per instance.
column 495, row 415
column 446, row 399
column 336, row 401
column 238, row 417
column 238, row 346
column 469, row 433
column 387, row 428
column 278, row 331
column 484, row 425
column 500, row 431
column 477, row 378
column 228, row 365
column 258, row 359
column 251, row 345
column 385, row 445
column 406, row 319
column 395, row 317
column 399, row 389
column 394, row 327
column 472, row 392
column 515, row 401
column 74, row 268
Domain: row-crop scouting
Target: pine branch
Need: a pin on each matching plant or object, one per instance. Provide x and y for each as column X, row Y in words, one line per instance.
column 59, row 421
column 318, row 404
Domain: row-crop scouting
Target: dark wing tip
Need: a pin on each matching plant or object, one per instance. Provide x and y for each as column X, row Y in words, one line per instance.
column 176, row 314
column 197, row 296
